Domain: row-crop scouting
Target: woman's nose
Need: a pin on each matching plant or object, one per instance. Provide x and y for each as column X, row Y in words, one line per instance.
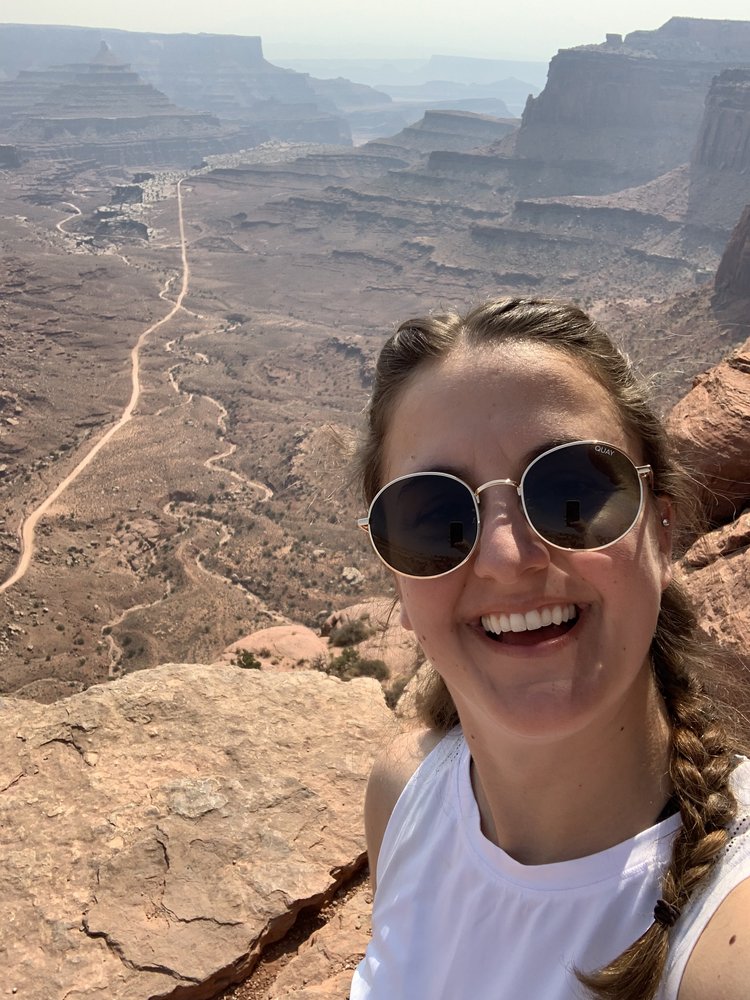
column 507, row 545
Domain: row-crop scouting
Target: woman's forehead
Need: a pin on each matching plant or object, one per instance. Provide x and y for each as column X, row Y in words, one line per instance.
column 511, row 367
column 511, row 393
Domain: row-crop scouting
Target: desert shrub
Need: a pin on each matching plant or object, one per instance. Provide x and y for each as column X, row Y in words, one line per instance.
column 349, row 664
column 246, row 660
column 350, row 633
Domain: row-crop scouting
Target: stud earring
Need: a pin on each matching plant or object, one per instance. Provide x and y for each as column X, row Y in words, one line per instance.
column 665, row 522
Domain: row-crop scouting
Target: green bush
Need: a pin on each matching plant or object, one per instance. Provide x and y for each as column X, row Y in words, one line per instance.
column 350, row 633
column 245, row 659
column 350, row 664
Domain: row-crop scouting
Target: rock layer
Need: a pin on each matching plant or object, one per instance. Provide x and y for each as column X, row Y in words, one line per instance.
column 628, row 110
column 711, row 426
column 225, row 75
column 719, row 186
column 104, row 111
column 158, row 831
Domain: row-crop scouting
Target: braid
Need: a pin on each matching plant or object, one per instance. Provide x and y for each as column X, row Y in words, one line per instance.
column 700, row 768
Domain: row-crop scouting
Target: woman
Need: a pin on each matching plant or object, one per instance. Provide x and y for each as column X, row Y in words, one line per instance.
column 573, row 820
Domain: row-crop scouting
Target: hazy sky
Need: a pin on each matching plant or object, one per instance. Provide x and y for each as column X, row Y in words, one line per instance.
column 527, row 29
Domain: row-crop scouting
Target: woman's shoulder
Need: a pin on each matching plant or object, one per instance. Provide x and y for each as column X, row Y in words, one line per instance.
column 720, row 955
column 719, row 965
column 391, row 773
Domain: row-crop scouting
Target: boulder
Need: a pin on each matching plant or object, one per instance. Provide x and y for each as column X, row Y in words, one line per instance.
column 160, row 830
column 716, row 570
column 711, row 427
column 280, row 647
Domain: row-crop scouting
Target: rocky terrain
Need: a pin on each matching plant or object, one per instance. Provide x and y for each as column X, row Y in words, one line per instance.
column 212, row 845
column 161, row 832
column 184, row 359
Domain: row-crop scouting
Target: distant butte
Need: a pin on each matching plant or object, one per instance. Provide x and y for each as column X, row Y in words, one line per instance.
column 224, row 75
column 104, row 111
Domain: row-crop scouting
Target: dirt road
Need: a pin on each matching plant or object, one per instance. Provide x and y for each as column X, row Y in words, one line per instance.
column 28, row 525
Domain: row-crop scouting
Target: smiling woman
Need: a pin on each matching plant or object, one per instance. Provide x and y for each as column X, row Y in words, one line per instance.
column 573, row 819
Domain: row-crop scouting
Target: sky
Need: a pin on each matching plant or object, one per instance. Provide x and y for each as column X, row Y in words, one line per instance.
column 528, row 29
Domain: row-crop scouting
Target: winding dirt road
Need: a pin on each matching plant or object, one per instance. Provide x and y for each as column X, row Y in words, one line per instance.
column 28, row 526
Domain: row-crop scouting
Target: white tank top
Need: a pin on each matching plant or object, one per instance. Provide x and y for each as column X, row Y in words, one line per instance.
column 456, row 918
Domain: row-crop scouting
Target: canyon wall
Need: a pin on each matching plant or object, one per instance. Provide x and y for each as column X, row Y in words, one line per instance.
column 631, row 111
column 733, row 276
column 720, row 167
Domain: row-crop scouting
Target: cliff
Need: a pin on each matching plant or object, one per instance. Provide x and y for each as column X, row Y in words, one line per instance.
column 631, row 111
column 732, row 283
column 721, row 161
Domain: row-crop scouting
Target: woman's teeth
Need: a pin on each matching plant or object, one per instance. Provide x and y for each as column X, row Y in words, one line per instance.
column 531, row 620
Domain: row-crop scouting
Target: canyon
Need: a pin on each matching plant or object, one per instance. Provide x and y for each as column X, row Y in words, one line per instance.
column 195, row 587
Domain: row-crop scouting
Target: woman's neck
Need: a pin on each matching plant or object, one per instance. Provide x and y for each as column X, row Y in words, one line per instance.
column 548, row 802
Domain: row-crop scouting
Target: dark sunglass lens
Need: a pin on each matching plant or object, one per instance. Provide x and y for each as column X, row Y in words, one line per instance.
column 582, row 497
column 424, row 525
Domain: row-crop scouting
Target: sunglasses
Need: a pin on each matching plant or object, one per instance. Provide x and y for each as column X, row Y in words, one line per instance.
column 580, row 495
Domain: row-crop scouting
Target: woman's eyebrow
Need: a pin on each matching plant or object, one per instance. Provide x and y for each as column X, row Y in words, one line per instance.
column 547, row 446
column 462, row 472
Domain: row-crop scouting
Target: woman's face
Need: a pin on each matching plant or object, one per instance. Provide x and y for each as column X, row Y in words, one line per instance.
column 482, row 414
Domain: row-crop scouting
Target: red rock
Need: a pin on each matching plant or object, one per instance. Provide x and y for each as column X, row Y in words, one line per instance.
column 711, row 427
column 280, row 647
column 716, row 570
column 159, row 830
column 323, row 966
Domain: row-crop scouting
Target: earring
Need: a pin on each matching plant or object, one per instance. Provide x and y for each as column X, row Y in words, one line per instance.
column 665, row 522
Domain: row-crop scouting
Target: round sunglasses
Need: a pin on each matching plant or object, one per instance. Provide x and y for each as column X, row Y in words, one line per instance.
column 578, row 495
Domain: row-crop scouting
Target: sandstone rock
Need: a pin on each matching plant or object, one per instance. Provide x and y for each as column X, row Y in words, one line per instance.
column 733, row 276
column 615, row 116
column 100, row 109
column 159, row 830
column 721, row 160
column 389, row 641
column 324, row 964
column 717, row 573
column 711, row 426
column 280, row 647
